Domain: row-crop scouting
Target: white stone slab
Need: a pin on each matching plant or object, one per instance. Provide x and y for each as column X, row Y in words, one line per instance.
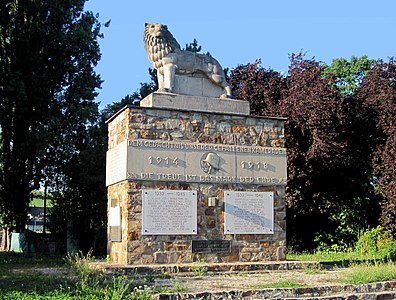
column 115, row 216
column 188, row 162
column 182, row 161
column 249, row 212
column 116, row 163
column 196, row 103
column 169, row 212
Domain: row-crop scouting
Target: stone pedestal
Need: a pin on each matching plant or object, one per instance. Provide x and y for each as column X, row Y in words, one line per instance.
column 166, row 149
column 196, row 103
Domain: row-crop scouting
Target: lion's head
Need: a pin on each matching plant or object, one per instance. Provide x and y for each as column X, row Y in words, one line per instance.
column 158, row 42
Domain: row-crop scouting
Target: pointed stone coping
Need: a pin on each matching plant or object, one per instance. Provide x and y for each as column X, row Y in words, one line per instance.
column 112, row 268
column 196, row 103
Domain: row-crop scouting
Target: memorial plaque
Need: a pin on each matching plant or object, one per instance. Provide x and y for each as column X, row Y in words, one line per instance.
column 211, row 246
column 115, row 234
column 116, row 164
column 169, row 212
column 249, row 212
column 115, row 216
column 115, row 223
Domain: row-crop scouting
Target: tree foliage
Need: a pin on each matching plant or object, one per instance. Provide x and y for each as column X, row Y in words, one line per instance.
column 349, row 74
column 322, row 157
column 193, row 47
column 80, row 213
column 264, row 89
column 48, row 50
column 378, row 97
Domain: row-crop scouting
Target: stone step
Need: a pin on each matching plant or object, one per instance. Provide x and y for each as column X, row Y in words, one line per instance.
column 378, row 291
column 387, row 295
column 112, row 268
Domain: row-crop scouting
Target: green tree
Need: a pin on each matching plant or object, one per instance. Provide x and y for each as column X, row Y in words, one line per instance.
column 79, row 214
column 48, row 50
column 349, row 74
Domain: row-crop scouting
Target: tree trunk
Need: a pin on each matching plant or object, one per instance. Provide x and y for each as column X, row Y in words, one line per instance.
column 5, row 240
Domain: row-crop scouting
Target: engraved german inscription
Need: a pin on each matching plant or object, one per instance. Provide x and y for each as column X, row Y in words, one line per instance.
column 169, row 212
column 211, row 246
column 249, row 212
column 195, row 162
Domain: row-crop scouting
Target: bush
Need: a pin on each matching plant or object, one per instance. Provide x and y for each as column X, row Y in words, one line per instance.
column 341, row 232
column 377, row 242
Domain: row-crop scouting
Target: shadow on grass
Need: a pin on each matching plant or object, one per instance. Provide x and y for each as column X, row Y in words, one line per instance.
column 344, row 263
column 29, row 272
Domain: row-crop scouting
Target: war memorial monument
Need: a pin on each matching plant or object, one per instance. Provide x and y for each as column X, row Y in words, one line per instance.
column 191, row 176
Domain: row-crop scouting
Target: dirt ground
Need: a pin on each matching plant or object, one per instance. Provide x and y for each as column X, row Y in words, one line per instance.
column 251, row 280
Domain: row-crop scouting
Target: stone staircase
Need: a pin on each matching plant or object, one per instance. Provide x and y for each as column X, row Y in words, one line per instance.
column 378, row 291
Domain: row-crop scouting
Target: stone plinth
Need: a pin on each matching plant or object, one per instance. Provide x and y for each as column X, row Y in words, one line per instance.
column 196, row 103
column 164, row 130
column 196, row 86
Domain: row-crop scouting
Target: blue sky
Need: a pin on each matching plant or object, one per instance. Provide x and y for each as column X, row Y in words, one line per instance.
column 239, row 32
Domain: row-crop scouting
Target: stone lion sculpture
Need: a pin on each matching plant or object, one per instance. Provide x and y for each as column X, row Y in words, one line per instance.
column 168, row 59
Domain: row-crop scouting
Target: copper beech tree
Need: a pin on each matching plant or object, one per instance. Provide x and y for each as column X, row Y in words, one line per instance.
column 328, row 156
column 378, row 97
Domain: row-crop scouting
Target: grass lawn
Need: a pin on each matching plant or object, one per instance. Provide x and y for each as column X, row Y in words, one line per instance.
column 38, row 277
column 359, row 269
column 38, row 202
column 27, row 276
column 333, row 258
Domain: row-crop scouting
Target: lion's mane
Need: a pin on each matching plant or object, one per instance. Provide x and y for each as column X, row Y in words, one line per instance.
column 159, row 46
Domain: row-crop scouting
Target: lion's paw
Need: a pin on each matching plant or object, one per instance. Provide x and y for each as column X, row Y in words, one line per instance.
column 225, row 96
column 164, row 90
